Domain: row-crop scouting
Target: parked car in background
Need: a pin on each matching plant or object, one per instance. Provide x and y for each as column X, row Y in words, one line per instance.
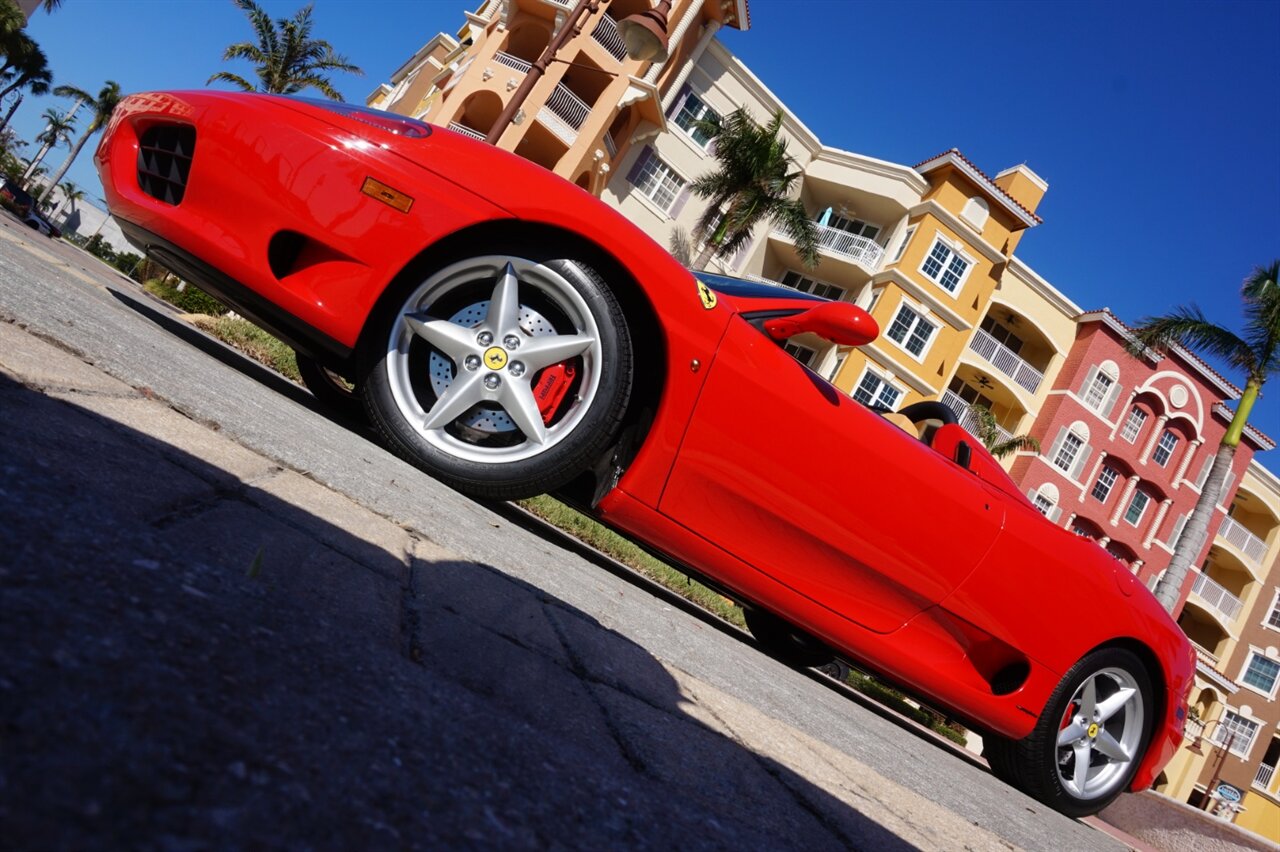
column 24, row 205
column 510, row 334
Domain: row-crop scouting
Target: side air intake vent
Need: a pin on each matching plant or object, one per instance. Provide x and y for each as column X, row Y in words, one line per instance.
column 164, row 161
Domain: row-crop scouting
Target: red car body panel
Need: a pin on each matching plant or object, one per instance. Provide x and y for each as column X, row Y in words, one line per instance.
column 754, row 472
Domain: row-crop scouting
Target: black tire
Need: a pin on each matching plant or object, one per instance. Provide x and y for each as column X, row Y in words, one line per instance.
column 460, row 372
column 1046, row 770
column 330, row 390
column 786, row 644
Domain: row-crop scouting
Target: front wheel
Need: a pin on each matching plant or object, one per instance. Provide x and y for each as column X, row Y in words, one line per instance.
column 330, row 389
column 1087, row 745
column 501, row 375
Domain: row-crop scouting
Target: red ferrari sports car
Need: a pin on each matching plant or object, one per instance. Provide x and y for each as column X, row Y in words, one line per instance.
column 510, row 334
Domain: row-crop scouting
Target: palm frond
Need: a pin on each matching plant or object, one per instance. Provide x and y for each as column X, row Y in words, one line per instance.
column 233, row 79
column 1188, row 327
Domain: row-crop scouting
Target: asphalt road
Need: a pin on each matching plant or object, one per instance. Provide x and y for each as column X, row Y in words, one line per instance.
column 231, row 622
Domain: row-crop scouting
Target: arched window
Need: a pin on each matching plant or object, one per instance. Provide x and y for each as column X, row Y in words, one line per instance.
column 1045, row 499
column 1070, row 449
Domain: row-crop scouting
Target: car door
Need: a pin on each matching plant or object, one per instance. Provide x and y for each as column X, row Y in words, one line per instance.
column 820, row 493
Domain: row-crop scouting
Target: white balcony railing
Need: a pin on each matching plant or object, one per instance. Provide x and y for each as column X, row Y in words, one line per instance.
column 860, row 249
column 967, row 418
column 513, row 62
column 1263, row 776
column 1243, row 540
column 606, row 34
column 466, row 131
column 564, row 114
column 1216, row 597
column 1006, row 361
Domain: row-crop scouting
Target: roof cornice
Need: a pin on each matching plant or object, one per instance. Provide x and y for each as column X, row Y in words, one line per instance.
column 1259, row 437
column 756, row 86
column 961, row 163
column 882, row 168
column 1042, row 287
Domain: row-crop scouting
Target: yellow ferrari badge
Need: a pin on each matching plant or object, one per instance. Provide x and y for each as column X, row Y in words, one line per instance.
column 707, row 296
column 495, row 357
column 1093, row 730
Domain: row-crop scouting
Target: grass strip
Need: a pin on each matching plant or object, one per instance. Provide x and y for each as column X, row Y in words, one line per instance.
column 252, row 341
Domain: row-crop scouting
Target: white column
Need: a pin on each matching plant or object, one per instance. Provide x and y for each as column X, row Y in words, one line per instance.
column 1155, row 438
column 1123, row 504
column 1155, row 525
column 691, row 13
column 707, row 34
column 1093, row 477
column 1070, row 520
column 1186, row 461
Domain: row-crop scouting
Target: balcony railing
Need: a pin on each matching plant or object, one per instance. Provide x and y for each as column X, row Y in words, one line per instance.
column 1263, row 776
column 564, row 113
column 606, row 33
column 1216, row 597
column 967, row 418
column 1006, row 361
column 513, row 62
column 845, row 244
column 1246, row 542
column 466, row 131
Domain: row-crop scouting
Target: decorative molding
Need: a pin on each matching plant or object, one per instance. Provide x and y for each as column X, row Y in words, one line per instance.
column 966, row 231
column 967, row 169
column 921, row 294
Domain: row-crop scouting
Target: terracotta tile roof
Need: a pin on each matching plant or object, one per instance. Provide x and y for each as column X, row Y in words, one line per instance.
column 993, row 186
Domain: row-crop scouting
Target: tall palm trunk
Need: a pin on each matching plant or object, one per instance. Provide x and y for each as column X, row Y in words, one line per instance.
column 66, row 164
column 9, row 115
column 1196, row 531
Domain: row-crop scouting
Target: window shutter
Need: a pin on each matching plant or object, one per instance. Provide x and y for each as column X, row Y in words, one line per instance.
column 1031, row 494
column 1226, row 487
column 1057, row 445
column 1176, row 532
column 678, row 103
column 1081, row 458
column 1055, row 512
column 681, row 200
column 1088, row 380
column 634, row 175
column 1110, row 401
column 1204, row 473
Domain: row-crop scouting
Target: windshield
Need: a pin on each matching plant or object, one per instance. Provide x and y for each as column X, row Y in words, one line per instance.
column 751, row 289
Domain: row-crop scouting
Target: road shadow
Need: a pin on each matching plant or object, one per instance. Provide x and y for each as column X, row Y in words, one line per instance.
column 193, row 661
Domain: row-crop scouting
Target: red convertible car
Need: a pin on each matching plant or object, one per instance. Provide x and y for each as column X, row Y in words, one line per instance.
column 510, row 334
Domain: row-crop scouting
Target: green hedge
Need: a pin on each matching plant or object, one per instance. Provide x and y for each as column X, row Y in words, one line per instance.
column 191, row 299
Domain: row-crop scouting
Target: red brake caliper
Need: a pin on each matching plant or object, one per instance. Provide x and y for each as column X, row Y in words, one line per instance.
column 550, row 388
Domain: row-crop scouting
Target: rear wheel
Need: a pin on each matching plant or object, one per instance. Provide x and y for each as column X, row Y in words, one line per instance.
column 785, row 643
column 502, row 375
column 1085, row 749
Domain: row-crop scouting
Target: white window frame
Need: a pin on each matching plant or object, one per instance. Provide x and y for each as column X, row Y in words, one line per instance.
column 1244, row 722
column 795, row 350
column 1109, row 485
column 1069, row 457
column 1098, row 389
column 953, row 253
column 694, row 115
column 879, row 391
column 1254, row 651
column 1171, row 438
column 922, row 316
column 835, row 371
column 1133, row 424
column 1271, row 618
column 1138, row 494
column 650, row 182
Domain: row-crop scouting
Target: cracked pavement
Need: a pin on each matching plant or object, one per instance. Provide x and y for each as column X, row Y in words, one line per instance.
column 230, row 622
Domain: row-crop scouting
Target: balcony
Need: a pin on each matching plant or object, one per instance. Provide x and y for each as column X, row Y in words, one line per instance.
column 1243, row 540
column 966, row 416
column 564, row 114
column 466, row 131
column 1263, row 776
column 843, row 244
column 606, row 35
column 1004, row 360
column 513, row 62
column 1216, row 599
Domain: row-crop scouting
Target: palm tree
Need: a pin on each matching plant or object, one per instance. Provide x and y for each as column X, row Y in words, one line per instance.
column 288, row 60
column 70, row 195
column 25, row 65
column 1257, row 354
column 103, row 105
column 987, row 430
column 752, row 183
column 57, row 130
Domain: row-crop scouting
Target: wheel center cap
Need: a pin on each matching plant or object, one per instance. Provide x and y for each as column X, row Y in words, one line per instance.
column 1093, row 730
column 495, row 357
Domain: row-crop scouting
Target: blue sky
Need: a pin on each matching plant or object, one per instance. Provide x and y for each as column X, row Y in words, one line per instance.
column 1156, row 125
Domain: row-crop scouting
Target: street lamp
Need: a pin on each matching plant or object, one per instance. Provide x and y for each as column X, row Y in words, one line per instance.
column 1222, row 759
column 649, row 31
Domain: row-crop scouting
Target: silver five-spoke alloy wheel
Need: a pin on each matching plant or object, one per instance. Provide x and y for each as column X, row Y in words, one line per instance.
column 1101, row 734
column 492, row 324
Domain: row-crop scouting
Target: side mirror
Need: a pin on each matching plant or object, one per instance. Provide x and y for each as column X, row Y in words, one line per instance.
column 838, row 322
